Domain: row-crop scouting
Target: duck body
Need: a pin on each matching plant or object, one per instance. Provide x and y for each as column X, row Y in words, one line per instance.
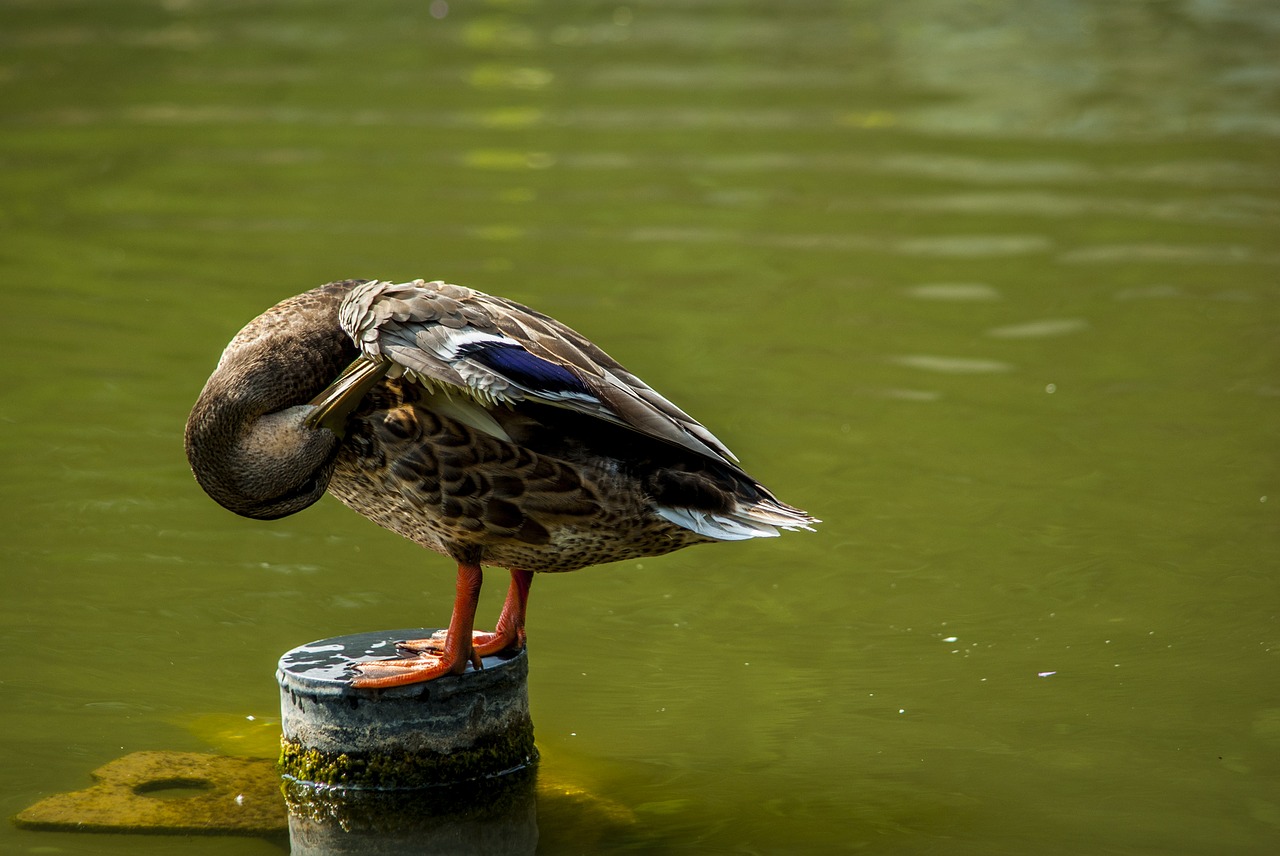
column 473, row 426
column 542, row 501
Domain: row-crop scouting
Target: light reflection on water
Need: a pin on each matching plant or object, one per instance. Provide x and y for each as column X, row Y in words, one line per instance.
column 990, row 289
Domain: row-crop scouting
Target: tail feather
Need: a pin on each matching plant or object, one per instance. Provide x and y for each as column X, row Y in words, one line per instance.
column 762, row 519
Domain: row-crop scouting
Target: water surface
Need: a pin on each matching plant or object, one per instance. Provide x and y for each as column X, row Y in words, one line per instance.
column 990, row 289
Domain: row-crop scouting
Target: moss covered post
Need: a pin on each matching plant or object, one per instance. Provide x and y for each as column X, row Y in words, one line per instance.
column 457, row 728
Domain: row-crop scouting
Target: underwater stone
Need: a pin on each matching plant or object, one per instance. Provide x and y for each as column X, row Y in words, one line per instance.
column 452, row 729
column 170, row 792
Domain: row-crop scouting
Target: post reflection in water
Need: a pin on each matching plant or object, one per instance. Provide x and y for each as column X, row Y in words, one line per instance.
column 497, row 817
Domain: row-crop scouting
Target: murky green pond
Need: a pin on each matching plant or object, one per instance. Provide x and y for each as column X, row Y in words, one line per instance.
column 990, row 288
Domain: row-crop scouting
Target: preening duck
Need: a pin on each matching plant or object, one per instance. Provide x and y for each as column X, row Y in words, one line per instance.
column 474, row 426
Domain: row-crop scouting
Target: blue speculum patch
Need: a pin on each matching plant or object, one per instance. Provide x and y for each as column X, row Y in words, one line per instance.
column 518, row 365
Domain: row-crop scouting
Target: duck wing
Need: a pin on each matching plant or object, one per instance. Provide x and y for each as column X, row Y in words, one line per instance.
column 453, row 339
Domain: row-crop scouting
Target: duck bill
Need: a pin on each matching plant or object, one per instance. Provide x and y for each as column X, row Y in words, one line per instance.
column 343, row 395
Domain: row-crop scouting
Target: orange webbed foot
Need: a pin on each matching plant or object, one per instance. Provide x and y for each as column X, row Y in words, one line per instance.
column 485, row 644
column 482, row 643
column 380, row 674
column 433, row 644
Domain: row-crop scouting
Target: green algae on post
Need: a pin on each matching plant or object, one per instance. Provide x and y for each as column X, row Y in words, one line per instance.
column 492, row 756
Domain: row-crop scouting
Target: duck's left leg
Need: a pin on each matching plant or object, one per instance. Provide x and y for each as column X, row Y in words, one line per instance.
column 510, row 630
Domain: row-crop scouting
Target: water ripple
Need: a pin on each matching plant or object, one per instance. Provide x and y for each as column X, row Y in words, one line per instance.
column 1235, row 208
column 1039, row 329
column 958, row 291
column 974, row 245
column 1177, row 253
column 951, row 365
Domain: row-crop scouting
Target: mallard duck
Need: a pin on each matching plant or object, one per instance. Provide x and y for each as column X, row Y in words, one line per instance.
column 473, row 426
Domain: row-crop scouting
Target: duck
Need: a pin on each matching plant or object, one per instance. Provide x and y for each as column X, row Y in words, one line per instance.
column 474, row 426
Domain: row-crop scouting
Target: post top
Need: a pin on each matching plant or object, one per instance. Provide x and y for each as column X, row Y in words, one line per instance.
column 324, row 667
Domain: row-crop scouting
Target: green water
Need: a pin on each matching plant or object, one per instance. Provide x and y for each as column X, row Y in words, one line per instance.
column 990, row 288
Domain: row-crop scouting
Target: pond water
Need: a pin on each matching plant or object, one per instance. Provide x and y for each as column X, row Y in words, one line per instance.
column 989, row 288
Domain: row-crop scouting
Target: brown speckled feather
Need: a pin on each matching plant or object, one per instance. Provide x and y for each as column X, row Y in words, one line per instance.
column 459, row 491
